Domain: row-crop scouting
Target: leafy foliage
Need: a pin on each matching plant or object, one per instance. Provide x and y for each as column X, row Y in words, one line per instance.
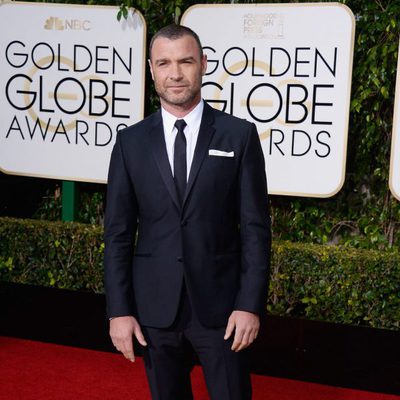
column 90, row 206
column 328, row 283
column 336, row 284
column 62, row 255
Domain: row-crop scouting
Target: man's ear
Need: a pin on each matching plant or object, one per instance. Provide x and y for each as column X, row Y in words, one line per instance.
column 204, row 65
column 151, row 69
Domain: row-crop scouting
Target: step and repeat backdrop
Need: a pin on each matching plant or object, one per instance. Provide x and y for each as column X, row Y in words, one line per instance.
column 394, row 177
column 72, row 76
column 287, row 68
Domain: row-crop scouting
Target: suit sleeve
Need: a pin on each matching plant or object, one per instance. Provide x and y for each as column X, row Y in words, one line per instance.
column 119, row 234
column 255, row 228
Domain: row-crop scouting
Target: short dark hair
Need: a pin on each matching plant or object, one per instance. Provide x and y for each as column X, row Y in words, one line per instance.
column 173, row 32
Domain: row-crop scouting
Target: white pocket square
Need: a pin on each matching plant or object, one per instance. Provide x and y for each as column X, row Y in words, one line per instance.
column 220, row 153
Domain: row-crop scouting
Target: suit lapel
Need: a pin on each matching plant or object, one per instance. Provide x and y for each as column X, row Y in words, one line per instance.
column 161, row 157
column 206, row 133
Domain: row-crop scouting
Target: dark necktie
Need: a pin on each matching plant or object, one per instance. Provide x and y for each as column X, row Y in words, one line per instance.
column 180, row 169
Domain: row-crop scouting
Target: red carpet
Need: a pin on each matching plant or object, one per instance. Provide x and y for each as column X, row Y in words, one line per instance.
column 39, row 371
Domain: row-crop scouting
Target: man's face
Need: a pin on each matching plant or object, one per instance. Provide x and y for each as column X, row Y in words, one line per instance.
column 177, row 70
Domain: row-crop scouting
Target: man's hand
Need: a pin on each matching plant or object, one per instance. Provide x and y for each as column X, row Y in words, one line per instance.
column 121, row 331
column 246, row 326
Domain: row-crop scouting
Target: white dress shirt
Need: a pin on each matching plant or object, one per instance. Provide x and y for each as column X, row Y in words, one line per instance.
column 191, row 131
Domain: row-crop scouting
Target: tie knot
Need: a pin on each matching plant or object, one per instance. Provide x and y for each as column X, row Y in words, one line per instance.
column 180, row 124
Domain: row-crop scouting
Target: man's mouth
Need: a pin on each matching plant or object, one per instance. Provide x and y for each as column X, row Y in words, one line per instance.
column 176, row 86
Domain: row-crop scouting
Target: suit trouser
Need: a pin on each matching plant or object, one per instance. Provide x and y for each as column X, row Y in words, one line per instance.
column 168, row 365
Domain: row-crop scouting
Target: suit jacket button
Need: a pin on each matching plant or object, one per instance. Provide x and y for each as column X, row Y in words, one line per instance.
column 180, row 259
column 183, row 223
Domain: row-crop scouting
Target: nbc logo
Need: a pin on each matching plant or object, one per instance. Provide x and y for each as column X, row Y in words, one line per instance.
column 54, row 23
column 58, row 24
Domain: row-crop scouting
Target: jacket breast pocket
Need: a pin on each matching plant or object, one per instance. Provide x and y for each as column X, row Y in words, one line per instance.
column 220, row 167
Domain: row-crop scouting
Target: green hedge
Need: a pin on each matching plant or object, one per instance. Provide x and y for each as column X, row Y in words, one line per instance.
column 328, row 283
column 336, row 284
column 59, row 254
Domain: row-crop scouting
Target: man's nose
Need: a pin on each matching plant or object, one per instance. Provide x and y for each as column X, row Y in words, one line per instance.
column 176, row 72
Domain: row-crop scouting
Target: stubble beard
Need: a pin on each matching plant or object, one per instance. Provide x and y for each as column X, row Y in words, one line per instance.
column 181, row 100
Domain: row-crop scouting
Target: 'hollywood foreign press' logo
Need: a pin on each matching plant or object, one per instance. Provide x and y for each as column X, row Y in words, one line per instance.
column 58, row 24
column 263, row 26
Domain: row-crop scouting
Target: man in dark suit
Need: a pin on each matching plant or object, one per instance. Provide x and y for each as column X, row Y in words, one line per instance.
column 190, row 181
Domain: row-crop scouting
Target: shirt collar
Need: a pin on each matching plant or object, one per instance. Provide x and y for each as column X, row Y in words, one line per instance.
column 192, row 119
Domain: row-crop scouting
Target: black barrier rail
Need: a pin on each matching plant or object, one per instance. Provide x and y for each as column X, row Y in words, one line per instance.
column 333, row 354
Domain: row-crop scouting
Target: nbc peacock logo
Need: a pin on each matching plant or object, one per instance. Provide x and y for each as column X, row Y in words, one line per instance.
column 59, row 24
column 54, row 23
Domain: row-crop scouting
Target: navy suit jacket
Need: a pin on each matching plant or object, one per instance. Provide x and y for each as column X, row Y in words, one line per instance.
column 218, row 242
